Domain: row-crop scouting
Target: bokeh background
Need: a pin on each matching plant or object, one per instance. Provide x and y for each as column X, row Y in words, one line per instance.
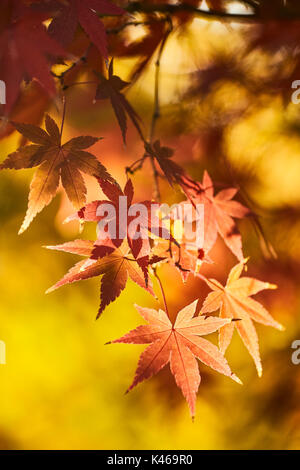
column 62, row 388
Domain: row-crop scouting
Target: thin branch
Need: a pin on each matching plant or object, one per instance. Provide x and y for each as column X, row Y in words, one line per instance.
column 81, row 60
column 156, row 109
column 90, row 82
column 266, row 246
column 123, row 26
column 135, row 166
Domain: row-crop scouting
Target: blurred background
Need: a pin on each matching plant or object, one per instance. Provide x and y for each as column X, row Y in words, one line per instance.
column 225, row 107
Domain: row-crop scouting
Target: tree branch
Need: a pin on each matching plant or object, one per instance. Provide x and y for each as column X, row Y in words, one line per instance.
column 256, row 15
column 171, row 9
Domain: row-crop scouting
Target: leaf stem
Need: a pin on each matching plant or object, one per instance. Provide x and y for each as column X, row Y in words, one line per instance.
column 162, row 291
column 63, row 115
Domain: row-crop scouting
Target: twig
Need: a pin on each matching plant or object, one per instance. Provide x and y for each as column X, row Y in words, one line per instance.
column 123, row 26
column 156, row 109
column 82, row 59
column 66, row 87
column 135, row 166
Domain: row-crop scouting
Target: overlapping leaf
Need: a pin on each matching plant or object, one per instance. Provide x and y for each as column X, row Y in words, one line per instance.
column 219, row 213
column 122, row 219
column 179, row 344
column 70, row 13
column 114, row 268
column 25, row 49
column 234, row 301
column 55, row 161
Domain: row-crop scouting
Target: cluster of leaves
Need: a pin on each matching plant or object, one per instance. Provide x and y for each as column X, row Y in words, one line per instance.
column 29, row 50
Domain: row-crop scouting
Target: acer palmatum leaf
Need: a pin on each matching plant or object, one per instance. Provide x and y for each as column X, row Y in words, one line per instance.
column 25, row 50
column 219, row 213
column 122, row 221
column 114, row 268
column 234, row 301
column 110, row 88
column 163, row 155
column 55, row 161
column 179, row 344
column 85, row 13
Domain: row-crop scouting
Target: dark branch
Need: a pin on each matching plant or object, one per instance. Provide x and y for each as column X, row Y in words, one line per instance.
column 255, row 15
column 142, row 7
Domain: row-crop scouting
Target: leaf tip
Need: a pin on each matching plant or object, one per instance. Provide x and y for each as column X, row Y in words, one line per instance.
column 272, row 286
column 22, row 230
column 236, row 379
column 280, row 327
column 51, row 289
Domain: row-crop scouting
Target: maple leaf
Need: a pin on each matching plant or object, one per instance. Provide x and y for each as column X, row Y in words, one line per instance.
column 172, row 171
column 25, row 48
column 55, row 161
column 114, row 268
column 219, row 211
column 179, row 344
column 234, row 301
column 120, row 223
column 110, row 88
column 74, row 12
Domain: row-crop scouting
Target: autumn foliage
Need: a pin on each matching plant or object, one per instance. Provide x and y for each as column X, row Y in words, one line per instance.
column 48, row 47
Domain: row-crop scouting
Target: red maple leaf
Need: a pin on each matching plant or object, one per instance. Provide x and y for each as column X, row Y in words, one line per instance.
column 172, row 171
column 219, row 211
column 110, row 88
column 234, row 301
column 120, row 227
column 25, row 49
column 56, row 161
column 179, row 344
column 114, row 269
column 73, row 12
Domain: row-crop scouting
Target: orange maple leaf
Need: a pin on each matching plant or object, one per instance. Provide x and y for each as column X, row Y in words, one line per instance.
column 114, row 269
column 179, row 344
column 219, row 213
column 234, row 301
column 55, row 161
